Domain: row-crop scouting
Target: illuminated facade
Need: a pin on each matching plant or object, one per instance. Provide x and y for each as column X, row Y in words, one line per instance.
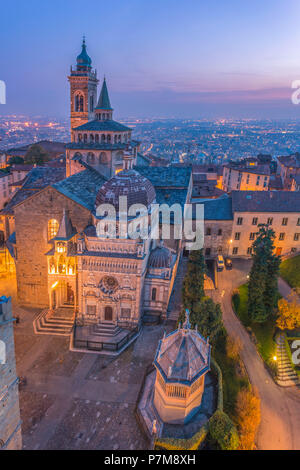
column 96, row 139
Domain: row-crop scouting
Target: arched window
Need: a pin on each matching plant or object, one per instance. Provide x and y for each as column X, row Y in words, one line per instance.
column 90, row 158
column 78, row 105
column 85, row 137
column 102, row 158
column 109, row 138
column 91, row 137
column 81, row 104
column 153, row 294
column 103, row 138
column 91, row 103
column 79, row 137
column 115, row 139
column 53, row 226
column 97, row 138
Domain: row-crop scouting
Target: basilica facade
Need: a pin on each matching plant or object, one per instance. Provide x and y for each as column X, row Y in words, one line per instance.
column 105, row 286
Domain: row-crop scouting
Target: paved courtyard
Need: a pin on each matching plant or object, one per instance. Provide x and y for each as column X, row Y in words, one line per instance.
column 77, row 400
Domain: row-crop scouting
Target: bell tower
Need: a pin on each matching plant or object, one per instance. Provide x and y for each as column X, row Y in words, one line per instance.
column 83, row 90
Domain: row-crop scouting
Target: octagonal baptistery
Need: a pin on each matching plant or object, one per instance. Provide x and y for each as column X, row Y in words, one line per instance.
column 130, row 183
column 182, row 360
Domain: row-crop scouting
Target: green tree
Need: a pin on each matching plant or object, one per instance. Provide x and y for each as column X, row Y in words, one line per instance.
column 193, row 284
column 36, row 154
column 222, row 430
column 15, row 160
column 208, row 317
column 263, row 290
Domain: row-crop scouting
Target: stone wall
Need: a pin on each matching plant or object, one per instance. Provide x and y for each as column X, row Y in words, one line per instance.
column 10, row 422
column 31, row 222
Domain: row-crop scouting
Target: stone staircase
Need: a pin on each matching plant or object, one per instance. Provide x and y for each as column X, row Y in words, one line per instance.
column 58, row 323
column 174, row 306
column 287, row 377
column 105, row 329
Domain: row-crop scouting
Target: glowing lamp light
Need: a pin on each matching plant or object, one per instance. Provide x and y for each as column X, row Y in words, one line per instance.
column 54, row 285
column 275, row 358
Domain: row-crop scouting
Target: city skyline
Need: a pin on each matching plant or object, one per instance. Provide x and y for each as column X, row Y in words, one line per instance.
column 161, row 60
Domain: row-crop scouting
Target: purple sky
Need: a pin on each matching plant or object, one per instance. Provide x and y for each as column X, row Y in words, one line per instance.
column 167, row 58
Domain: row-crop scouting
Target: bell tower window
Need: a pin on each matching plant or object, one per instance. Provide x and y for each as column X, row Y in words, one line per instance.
column 78, row 103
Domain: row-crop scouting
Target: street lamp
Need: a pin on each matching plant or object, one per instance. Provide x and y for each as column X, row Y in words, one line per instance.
column 274, row 358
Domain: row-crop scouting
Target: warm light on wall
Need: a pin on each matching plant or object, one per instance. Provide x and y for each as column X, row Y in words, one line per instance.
column 54, row 285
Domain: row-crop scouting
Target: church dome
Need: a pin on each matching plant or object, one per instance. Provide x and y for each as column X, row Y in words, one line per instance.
column 160, row 257
column 130, row 183
column 83, row 59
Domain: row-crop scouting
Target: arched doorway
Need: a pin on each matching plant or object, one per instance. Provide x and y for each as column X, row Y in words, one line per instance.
column 108, row 313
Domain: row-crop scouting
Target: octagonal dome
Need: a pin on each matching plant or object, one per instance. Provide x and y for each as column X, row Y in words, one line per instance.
column 160, row 258
column 183, row 355
column 130, row 183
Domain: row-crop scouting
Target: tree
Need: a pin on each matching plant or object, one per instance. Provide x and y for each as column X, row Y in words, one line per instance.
column 289, row 312
column 233, row 348
column 16, row 160
column 36, row 154
column 193, row 284
column 263, row 290
column 208, row 317
column 222, row 430
column 248, row 418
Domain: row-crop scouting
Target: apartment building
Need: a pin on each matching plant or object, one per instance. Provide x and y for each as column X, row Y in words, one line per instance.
column 288, row 167
column 231, row 222
column 246, row 176
column 279, row 209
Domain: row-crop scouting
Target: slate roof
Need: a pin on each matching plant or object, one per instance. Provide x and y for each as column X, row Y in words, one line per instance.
column 66, row 229
column 291, row 160
column 266, row 201
column 217, row 209
column 166, row 177
column 171, row 196
column 37, row 179
column 104, row 102
column 108, row 125
column 142, row 160
column 260, row 169
column 82, row 187
column 183, row 356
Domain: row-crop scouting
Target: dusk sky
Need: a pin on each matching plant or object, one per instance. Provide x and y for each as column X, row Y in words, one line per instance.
column 166, row 58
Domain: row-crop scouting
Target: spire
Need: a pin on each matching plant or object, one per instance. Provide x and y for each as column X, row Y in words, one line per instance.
column 83, row 60
column 66, row 229
column 104, row 102
column 187, row 325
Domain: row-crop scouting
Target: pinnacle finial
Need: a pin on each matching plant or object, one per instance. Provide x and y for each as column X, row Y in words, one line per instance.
column 187, row 324
column 83, row 40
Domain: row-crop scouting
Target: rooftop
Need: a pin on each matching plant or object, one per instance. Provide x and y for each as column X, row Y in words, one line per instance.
column 102, row 126
column 217, row 209
column 266, row 201
column 82, row 187
column 183, row 355
column 166, row 177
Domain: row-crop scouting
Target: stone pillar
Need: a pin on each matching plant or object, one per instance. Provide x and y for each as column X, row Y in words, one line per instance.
column 10, row 421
